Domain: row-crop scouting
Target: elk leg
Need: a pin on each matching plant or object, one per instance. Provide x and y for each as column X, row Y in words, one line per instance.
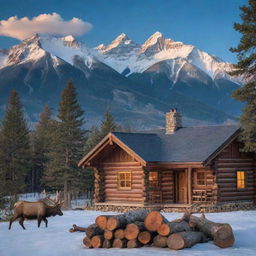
column 21, row 222
column 45, row 221
column 15, row 217
column 39, row 219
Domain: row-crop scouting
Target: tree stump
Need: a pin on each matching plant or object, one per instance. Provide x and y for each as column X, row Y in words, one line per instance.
column 154, row 220
column 119, row 233
column 97, row 241
column 93, row 230
column 187, row 239
column 119, row 243
column 134, row 244
column 87, row 242
column 160, row 241
column 132, row 230
column 166, row 229
column 221, row 233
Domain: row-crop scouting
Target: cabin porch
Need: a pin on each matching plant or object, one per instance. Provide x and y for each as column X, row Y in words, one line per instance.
column 179, row 186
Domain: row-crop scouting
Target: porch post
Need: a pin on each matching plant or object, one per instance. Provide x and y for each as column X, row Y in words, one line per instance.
column 189, row 185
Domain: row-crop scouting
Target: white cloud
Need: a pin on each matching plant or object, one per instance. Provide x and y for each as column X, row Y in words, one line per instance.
column 45, row 24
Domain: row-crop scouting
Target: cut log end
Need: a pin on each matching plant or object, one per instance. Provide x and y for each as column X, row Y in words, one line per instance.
column 224, row 237
column 164, row 229
column 144, row 237
column 160, row 241
column 119, row 243
column 119, row 233
column 176, row 242
column 153, row 221
column 108, row 235
column 87, row 242
column 112, row 223
column 101, row 222
column 97, row 241
column 133, row 244
column 107, row 244
column 131, row 232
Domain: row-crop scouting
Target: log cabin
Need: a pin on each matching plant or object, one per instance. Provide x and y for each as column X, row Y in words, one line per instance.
column 175, row 167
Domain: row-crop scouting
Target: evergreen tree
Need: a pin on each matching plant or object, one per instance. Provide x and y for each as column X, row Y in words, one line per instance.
column 41, row 137
column 15, row 154
column 67, row 144
column 246, row 66
column 107, row 125
column 93, row 138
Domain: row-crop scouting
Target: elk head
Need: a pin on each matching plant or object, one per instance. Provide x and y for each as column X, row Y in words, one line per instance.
column 57, row 209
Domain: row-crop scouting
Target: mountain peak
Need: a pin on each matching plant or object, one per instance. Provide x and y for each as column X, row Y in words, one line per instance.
column 122, row 38
column 70, row 41
column 68, row 38
column 153, row 44
column 120, row 42
column 33, row 39
column 156, row 35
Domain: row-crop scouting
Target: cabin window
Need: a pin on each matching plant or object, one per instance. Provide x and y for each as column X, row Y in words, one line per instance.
column 201, row 178
column 125, row 180
column 153, row 179
column 240, row 175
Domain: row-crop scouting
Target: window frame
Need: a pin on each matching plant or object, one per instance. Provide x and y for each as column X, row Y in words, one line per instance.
column 205, row 179
column 244, row 179
column 119, row 180
column 158, row 180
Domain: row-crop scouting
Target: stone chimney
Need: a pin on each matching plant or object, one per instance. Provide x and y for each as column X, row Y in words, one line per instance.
column 173, row 121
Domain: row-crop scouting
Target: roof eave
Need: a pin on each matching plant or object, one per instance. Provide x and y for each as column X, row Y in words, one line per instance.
column 109, row 138
column 219, row 149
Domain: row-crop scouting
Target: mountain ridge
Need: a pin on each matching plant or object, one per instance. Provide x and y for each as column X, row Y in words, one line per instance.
column 39, row 67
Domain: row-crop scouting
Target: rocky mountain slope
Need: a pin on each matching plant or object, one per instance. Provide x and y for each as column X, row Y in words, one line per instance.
column 137, row 82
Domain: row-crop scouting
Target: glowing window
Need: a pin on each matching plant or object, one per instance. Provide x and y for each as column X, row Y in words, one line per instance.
column 240, row 175
column 153, row 179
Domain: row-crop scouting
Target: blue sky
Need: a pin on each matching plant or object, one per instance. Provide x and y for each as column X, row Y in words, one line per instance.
column 207, row 24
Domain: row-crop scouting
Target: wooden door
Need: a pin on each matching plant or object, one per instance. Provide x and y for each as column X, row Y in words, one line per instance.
column 181, row 187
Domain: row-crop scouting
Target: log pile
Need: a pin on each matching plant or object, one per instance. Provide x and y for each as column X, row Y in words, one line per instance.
column 138, row 228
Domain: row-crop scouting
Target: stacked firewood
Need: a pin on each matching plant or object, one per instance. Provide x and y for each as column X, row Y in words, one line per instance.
column 138, row 228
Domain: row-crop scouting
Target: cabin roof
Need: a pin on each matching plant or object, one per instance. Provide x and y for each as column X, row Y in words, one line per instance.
column 188, row 144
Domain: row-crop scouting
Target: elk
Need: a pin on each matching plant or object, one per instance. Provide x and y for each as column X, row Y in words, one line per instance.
column 35, row 210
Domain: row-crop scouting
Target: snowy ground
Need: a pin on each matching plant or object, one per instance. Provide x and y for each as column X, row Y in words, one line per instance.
column 57, row 241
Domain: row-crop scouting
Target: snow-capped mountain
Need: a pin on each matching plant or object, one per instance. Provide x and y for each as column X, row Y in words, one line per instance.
column 138, row 82
column 162, row 65
column 123, row 55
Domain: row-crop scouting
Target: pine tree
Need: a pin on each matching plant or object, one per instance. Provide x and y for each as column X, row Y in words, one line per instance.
column 67, row 144
column 15, row 154
column 246, row 66
column 107, row 125
column 93, row 138
column 41, row 138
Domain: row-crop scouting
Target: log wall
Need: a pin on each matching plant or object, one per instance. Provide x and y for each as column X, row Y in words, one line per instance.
column 167, row 186
column 226, row 165
column 119, row 161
